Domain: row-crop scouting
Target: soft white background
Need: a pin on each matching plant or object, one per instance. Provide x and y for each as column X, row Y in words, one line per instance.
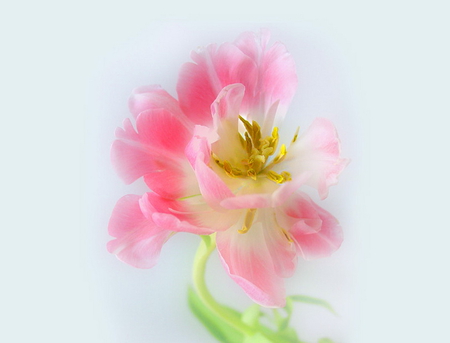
column 379, row 70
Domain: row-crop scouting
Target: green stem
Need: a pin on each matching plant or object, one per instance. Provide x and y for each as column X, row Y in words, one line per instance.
column 205, row 249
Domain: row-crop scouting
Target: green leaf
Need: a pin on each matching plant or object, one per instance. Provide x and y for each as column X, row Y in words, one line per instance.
column 287, row 336
column 251, row 315
column 218, row 328
column 257, row 338
column 314, row 301
column 325, row 340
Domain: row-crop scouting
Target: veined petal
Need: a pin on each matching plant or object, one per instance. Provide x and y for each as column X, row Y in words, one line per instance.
column 162, row 130
column 214, row 68
column 228, row 102
column 154, row 97
column 247, row 201
column 258, row 259
column 277, row 80
column 200, row 144
column 157, row 145
column 170, row 214
column 268, row 74
column 315, row 231
column 213, row 189
column 317, row 151
column 138, row 241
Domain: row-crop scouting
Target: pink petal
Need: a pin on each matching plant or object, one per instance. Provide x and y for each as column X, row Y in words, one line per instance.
column 213, row 189
column 173, row 215
column 259, row 259
column 247, row 201
column 214, row 68
column 277, row 78
column 157, row 145
column 169, row 183
column 200, row 144
column 228, row 102
column 162, row 130
column 138, row 241
column 316, row 232
column 154, row 97
column 317, row 151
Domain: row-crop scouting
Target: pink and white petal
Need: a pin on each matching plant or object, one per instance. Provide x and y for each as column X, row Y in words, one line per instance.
column 228, row 102
column 154, row 97
column 253, row 44
column 212, row 187
column 249, row 262
column 214, row 68
column 138, row 241
column 279, row 78
column 162, row 130
column 157, row 145
column 131, row 161
column 170, row 182
column 173, row 215
column 247, row 201
column 317, row 151
column 173, row 223
column 200, row 144
column 315, row 231
column 281, row 248
column 284, row 192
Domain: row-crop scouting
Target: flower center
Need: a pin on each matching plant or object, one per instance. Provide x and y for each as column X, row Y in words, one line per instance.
column 258, row 152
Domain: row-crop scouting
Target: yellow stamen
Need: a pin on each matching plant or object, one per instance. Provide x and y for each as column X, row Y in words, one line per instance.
column 287, row 235
column 251, row 173
column 283, row 231
column 247, row 124
column 248, row 221
column 295, row 135
column 286, row 175
column 275, row 138
column 281, row 155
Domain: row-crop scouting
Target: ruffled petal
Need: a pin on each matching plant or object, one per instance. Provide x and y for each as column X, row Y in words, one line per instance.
column 228, row 102
column 155, row 150
column 259, row 259
column 171, row 215
column 315, row 231
column 138, row 240
column 277, row 75
column 213, row 68
column 154, row 97
column 317, row 151
column 213, row 189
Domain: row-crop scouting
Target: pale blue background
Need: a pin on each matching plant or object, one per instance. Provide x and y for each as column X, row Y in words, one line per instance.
column 379, row 70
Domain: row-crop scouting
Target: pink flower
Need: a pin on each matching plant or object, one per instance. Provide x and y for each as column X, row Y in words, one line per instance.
column 215, row 164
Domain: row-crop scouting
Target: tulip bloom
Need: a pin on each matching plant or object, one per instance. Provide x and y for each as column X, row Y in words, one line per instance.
column 215, row 163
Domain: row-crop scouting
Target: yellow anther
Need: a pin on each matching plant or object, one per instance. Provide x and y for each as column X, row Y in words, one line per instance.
column 275, row 177
column 256, row 134
column 287, row 235
column 244, row 229
column 274, row 139
column 295, row 135
column 228, row 168
column 278, row 178
column 242, row 140
column 248, row 221
column 249, row 146
column 286, row 176
column 247, row 124
column 281, row 154
column 251, row 173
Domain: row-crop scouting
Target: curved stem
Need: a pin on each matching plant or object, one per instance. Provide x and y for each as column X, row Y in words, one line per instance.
column 205, row 249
